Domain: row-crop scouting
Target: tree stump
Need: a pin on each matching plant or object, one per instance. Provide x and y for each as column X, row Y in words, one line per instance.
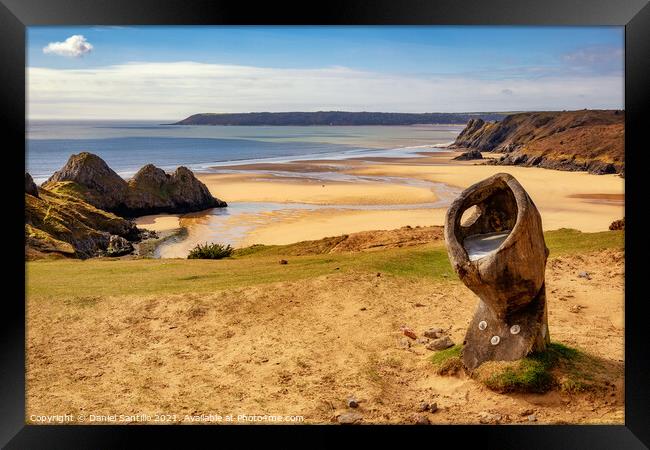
column 500, row 254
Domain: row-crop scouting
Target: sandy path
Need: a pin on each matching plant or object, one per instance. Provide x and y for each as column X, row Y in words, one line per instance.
column 302, row 348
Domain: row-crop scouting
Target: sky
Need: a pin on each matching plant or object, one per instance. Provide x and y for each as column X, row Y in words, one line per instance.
column 169, row 73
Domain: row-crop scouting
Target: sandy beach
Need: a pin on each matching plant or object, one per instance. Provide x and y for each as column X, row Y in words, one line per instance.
column 304, row 200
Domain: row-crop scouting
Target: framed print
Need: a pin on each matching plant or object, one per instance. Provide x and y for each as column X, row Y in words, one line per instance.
column 338, row 221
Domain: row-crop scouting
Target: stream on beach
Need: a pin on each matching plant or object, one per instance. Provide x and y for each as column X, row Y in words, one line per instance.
column 231, row 225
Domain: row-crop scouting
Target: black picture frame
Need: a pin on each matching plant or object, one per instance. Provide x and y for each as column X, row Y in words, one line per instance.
column 16, row 15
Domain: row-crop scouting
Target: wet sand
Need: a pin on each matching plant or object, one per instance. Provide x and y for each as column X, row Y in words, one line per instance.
column 159, row 222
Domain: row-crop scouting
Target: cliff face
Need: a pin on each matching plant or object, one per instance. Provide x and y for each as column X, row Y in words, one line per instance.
column 591, row 140
column 62, row 224
column 150, row 191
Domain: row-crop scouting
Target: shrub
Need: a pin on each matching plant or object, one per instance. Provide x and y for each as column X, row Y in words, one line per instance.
column 210, row 251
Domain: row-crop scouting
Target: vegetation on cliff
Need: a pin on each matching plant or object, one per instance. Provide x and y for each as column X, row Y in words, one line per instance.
column 590, row 140
column 57, row 223
column 333, row 118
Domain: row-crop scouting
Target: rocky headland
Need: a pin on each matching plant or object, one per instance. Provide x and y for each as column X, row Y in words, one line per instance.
column 327, row 118
column 84, row 209
column 586, row 140
column 150, row 191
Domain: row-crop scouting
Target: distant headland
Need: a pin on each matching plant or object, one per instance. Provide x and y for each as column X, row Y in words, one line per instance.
column 340, row 118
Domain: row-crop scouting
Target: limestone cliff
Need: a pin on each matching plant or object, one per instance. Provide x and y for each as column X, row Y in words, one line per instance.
column 150, row 191
column 590, row 140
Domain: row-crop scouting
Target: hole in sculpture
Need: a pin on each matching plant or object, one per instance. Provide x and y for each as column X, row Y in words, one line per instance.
column 470, row 216
column 488, row 223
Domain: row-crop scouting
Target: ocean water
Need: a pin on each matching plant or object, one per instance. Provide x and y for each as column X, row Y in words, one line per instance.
column 127, row 146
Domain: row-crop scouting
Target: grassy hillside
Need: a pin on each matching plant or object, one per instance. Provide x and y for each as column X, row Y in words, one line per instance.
column 75, row 280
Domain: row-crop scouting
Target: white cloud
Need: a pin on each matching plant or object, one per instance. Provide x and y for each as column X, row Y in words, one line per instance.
column 172, row 91
column 75, row 46
column 600, row 59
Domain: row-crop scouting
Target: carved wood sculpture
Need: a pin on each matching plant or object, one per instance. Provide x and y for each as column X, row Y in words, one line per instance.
column 500, row 254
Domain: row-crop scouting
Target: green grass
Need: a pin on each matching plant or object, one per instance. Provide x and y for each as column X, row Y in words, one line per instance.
column 259, row 265
column 566, row 240
column 448, row 361
column 99, row 276
column 559, row 367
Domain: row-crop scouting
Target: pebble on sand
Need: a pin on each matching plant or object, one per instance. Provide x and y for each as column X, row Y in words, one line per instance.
column 434, row 333
column 349, row 418
column 421, row 419
column 440, row 344
column 409, row 333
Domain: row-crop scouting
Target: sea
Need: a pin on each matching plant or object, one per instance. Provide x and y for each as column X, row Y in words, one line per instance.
column 128, row 145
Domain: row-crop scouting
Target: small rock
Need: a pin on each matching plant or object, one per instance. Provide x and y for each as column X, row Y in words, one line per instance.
column 434, row 333
column 440, row 344
column 532, row 418
column 378, row 274
column 404, row 343
column 284, row 261
column 353, row 403
column 118, row 246
column 148, row 234
column 421, row 419
column 363, row 309
column 526, row 412
column 422, row 340
column 584, row 275
column 469, row 155
column 419, row 305
column 433, row 407
column 486, row 417
column 423, row 406
column 349, row 418
column 408, row 332
column 575, row 308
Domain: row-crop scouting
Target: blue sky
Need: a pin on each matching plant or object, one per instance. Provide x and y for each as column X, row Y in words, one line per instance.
column 170, row 72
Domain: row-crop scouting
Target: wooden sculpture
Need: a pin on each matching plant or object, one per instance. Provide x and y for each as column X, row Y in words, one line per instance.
column 500, row 254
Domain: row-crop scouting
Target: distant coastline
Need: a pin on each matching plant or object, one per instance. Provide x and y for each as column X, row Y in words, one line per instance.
column 340, row 118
